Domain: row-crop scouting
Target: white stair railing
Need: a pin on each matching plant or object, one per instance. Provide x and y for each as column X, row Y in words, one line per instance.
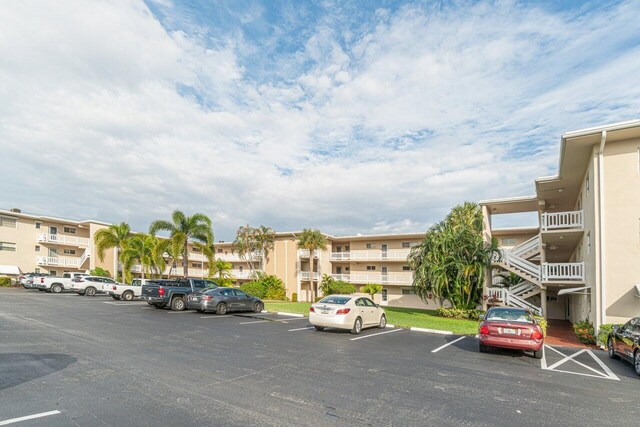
column 530, row 245
column 511, row 300
column 84, row 257
column 529, row 268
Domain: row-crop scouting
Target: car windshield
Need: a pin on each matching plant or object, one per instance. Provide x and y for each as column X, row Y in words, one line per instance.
column 335, row 300
column 509, row 315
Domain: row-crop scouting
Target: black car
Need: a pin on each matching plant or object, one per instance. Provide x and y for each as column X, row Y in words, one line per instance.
column 624, row 342
column 223, row 300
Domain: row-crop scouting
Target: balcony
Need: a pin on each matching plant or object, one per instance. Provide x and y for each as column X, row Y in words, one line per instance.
column 562, row 220
column 304, row 253
column 61, row 239
column 371, row 255
column 304, row 275
column 58, row 261
column 567, row 271
column 380, row 278
column 240, row 274
column 229, row 257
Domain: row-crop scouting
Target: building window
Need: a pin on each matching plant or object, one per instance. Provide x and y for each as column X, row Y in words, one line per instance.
column 371, row 267
column 385, row 296
column 406, row 244
column 53, row 272
column 338, row 248
column 37, row 248
column 588, row 242
column 37, row 270
column 588, row 186
column 408, row 291
column 69, row 230
column 6, row 221
column 196, row 249
column 69, row 251
column 6, row 246
column 508, row 242
column 406, row 268
column 38, row 225
column 196, row 264
column 347, row 248
column 219, row 251
column 371, row 245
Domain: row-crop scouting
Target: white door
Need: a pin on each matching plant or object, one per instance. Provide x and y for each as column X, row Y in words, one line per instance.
column 384, row 271
column 385, row 249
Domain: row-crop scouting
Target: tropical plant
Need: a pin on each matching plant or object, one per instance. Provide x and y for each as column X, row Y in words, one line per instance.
column 256, row 289
column 220, row 269
column 144, row 249
column 246, row 246
column 184, row 228
column 275, row 289
column 329, row 286
column 508, row 279
column 585, row 332
column 451, row 260
column 113, row 237
column 264, row 241
column 312, row 240
column 100, row 272
column 172, row 248
column 371, row 289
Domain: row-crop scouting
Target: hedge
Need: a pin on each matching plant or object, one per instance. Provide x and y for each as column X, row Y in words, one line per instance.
column 585, row 332
column 603, row 333
column 255, row 289
column 5, row 282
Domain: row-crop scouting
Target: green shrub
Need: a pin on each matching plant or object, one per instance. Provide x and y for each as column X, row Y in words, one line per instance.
column 371, row 289
column 330, row 286
column 585, row 332
column 274, row 288
column 459, row 313
column 543, row 324
column 603, row 333
column 294, row 297
column 256, row 289
column 316, row 299
column 5, row 282
column 101, row 272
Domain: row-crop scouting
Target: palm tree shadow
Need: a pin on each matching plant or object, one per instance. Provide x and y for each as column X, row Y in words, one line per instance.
column 19, row 368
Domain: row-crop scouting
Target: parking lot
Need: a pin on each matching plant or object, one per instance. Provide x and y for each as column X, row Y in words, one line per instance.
column 74, row 360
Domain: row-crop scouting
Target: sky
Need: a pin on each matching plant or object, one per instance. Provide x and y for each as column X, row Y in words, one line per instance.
column 346, row 116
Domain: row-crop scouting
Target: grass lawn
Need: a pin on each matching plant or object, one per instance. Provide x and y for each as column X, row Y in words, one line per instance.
column 400, row 317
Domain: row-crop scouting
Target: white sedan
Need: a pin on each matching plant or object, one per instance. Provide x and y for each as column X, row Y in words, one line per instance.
column 346, row 312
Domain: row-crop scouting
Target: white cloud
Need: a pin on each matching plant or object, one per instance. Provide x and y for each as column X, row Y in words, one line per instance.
column 105, row 114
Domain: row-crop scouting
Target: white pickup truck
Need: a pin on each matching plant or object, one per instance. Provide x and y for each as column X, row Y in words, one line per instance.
column 57, row 284
column 127, row 292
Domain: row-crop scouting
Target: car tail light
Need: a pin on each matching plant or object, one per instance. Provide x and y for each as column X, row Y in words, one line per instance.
column 207, row 298
column 161, row 292
column 42, row 280
column 536, row 335
column 312, row 310
column 343, row 311
column 484, row 330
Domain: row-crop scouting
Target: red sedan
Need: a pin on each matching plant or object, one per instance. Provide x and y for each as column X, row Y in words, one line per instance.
column 507, row 327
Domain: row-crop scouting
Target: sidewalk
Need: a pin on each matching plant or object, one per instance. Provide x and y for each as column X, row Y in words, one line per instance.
column 560, row 333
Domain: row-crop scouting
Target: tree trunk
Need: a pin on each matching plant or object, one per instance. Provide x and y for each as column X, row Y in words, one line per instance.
column 185, row 260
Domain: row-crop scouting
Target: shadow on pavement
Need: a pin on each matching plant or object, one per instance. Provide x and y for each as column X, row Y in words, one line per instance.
column 18, row 368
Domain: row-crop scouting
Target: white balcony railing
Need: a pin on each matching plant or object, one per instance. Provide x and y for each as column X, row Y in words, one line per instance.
column 62, row 239
column 563, row 271
column 371, row 255
column 58, row 261
column 231, row 257
column 560, row 220
column 381, row 278
column 240, row 274
column 304, row 275
column 304, row 253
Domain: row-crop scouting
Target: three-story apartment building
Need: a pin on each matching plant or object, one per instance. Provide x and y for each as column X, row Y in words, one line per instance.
column 581, row 261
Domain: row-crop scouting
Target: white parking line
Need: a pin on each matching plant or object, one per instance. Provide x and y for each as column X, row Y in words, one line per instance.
column 216, row 317
column 373, row 335
column 278, row 320
column 301, row 329
column 607, row 374
column 447, row 344
column 28, row 417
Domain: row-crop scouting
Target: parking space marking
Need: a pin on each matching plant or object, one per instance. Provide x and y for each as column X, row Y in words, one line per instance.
column 216, row 317
column 373, row 335
column 277, row 320
column 607, row 374
column 448, row 344
column 28, row 417
column 133, row 303
column 301, row 329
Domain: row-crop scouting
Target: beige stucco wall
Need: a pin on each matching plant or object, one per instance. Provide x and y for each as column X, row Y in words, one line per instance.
column 622, row 229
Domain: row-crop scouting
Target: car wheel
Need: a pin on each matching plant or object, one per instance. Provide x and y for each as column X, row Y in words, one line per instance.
column 158, row 305
column 636, row 361
column 611, row 350
column 127, row 296
column 177, row 304
column 357, row 326
column 199, row 310
column 115, row 297
column 90, row 291
column 257, row 307
column 482, row 348
column 56, row 289
column 537, row 354
column 41, row 290
column 383, row 322
column 319, row 328
column 221, row 309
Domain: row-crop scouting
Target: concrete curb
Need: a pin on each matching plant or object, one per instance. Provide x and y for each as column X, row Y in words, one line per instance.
column 389, row 326
column 431, row 331
column 283, row 313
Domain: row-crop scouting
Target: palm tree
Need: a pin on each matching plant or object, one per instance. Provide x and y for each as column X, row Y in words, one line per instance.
column 312, row 240
column 172, row 248
column 508, row 279
column 265, row 237
column 196, row 227
column 246, row 245
column 113, row 237
column 220, row 269
column 451, row 260
column 144, row 248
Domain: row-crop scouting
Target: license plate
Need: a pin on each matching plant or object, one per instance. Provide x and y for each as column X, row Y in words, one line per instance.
column 324, row 311
column 509, row 331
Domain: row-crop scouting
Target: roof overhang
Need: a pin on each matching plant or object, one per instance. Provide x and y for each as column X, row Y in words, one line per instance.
column 511, row 205
column 584, row 290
